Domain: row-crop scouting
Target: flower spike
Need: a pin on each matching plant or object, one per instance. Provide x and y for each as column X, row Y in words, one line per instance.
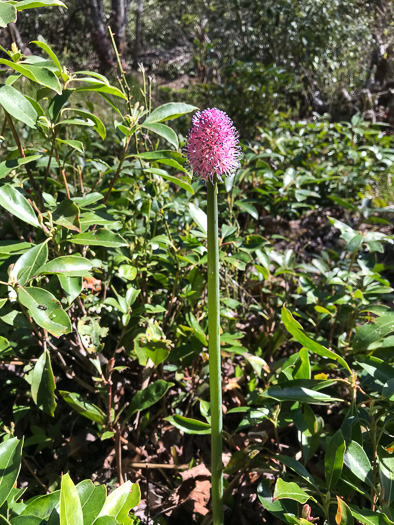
column 213, row 146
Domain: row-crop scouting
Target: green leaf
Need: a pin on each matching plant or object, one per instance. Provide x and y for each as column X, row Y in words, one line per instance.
column 48, row 50
column 102, row 89
column 199, row 216
column 276, row 507
column 357, row 461
column 169, row 111
column 333, row 459
column 57, row 103
column 88, row 410
column 28, row 264
column 354, row 243
column 92, row 499
column 13, row 247
column 26, row 520
column 369, row 517
column 284, row 490
column 101, row 237
column 14, row 202
column 249, row 208
column 43, row 384
column 10, row 464
column 386, row 476
column 71, row 285
column 343, row 515
column 188, row 425
column 17, row 105
column 182, row 183
column 30, row 4
column 376, row 368
column 301, row 394
column 45, row 309
column 98, row 125
column 106, row 520
column 42, row 506
column 74, row 144
column 9, row 165
column 116, row 500
column 133, row 500
column 67, row 214
column 148, row 397
column 371, row 332
column 69, row 265
column 39, row 74
column 297, row 467
column 164, row 131
column 70, row 504
column 7, row 14
column 299, row 335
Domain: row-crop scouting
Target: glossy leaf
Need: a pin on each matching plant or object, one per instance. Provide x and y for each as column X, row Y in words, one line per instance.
column 343, row 515
column 7, row 14
column 148, row 397
column 67, row 214
column 39, row 74
column 132, row 501
column 48, row 50
column 357, row 461
column 101, row 237
column 276, row 507
column 163, row 131
column 83, row 407
column 27, row 265
column 30, row 4
column 74, row 144
column 45, row 309
column 169, row 111
column 285, row 490
column 386, row 476
column 69, row 265
column 72, row 286
column 248, row 207
column 199, row 216
column 116, row 500
column 301, row 394
column 369, row 517
column 98, row 125
column 189, row 425
column 43, row 384
column 17, row 105
column 14, row 202
column 42, row 506
column 92, row 498
column 299, row 335
column 10, row 464
column 13, row 164
column 333, row 460
column 70, row 504
column 371, row 332
column 182, row 183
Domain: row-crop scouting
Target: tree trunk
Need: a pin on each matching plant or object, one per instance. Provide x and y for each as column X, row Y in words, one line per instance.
column 138, row 26
column 119, row 19
column 100, row 38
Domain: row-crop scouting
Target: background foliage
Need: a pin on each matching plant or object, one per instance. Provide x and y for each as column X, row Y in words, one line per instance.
column 103, row 314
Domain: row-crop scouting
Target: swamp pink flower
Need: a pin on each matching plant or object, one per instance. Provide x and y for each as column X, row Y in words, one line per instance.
column 212, row 146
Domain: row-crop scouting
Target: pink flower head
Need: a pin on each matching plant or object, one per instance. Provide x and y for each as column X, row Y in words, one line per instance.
column 212, row 146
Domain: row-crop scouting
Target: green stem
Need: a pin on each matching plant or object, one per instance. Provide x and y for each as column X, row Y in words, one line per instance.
column 214, row 355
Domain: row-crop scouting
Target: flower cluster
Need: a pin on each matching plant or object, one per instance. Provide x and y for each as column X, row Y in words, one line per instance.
column 212, row 146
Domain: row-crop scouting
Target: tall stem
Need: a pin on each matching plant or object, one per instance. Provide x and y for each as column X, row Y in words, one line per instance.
column 214, row 355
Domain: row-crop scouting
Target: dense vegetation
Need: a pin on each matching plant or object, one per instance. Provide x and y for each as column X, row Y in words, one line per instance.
column 103, row 299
